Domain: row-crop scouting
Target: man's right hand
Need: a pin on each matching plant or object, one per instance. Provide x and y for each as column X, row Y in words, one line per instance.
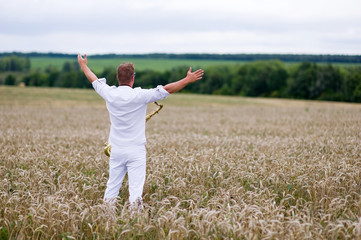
column 88, row 73
column 82, row 61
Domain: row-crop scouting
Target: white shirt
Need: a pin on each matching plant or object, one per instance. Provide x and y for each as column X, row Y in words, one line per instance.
column 127, row 109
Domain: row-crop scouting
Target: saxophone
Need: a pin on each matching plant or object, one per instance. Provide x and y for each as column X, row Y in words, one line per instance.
column 108, row 147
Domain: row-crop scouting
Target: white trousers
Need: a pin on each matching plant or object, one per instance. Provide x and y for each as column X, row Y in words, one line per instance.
column 131, row 160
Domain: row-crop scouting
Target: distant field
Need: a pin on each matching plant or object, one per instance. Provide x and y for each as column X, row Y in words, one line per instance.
column 140, row 64
column 218, row 167
column 98, row 65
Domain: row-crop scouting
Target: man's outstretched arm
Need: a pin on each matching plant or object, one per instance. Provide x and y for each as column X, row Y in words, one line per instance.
column 190, row 78
column 84, row 67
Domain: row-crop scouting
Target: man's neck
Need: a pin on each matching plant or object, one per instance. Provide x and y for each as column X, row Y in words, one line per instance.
column 128, row 85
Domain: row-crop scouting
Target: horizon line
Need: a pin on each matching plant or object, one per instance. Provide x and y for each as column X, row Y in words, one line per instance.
column 173, row 53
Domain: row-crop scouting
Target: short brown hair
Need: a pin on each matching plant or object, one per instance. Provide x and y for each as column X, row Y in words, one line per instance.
column 125, row 73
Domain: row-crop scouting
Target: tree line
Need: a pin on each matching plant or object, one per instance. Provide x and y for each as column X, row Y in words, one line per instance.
column 324, row 58
column 14, row 63
column 271, row 78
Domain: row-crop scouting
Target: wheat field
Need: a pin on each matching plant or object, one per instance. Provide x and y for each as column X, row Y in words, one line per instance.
column 217, row 168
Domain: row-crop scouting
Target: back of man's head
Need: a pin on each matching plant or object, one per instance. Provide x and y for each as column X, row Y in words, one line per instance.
column 125, row 73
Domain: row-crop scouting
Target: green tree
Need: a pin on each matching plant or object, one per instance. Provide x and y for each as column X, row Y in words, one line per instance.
column 351, row 86
column 10, row 80
column 14, row 63
column 52, row 75
column 262, row 78
column 301, row 80
column 73, row 79
column 217, row 80
column 150, row 79
column 71, row 66
column 111, row 75
column 328, row 83
column 36, row 79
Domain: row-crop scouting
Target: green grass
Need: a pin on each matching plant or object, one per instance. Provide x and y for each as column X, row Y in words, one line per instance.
column 41, row 63
column 97, row 65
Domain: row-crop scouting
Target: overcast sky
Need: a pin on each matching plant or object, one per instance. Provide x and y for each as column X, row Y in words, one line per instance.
column 181, row 26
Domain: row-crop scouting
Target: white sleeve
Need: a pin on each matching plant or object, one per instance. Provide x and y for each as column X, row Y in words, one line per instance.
column 154, row 94
column 102, row 88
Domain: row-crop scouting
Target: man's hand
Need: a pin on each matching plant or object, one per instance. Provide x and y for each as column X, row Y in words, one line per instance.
column 190, row 78
column 88, row 73
column 195, row 76
column 82, row 61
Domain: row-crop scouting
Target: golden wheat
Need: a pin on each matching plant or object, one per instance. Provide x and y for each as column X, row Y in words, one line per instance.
column 218, row 168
